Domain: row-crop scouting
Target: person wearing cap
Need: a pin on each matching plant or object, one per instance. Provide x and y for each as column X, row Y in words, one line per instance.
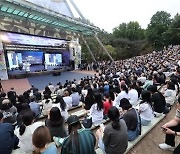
column 83, row 140
column 172, row 129
column 8, row 141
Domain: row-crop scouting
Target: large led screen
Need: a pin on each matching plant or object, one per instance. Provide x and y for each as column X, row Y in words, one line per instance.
column 33, row 57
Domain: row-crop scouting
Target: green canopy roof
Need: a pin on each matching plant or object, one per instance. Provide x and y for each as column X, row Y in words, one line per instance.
column 16, row 10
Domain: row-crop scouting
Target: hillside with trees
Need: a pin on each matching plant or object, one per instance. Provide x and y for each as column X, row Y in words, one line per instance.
column 130, row 39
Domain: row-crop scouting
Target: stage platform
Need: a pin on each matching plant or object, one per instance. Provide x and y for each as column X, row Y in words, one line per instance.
column 41, row 81
column 37, row 70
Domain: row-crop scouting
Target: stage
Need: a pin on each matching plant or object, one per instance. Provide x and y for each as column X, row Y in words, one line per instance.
column 41, row 81
column 36, row 70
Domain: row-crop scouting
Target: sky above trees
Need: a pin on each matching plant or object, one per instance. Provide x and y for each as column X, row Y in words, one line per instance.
column 109, row 14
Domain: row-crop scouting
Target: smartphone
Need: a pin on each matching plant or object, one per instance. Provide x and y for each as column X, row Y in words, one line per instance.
column 164, row 129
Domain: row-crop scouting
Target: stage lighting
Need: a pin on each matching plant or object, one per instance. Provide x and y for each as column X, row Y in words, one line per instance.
column 71, row 45
column 4, row 38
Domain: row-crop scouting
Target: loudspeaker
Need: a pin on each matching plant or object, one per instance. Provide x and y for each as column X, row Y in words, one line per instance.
column 56, row 73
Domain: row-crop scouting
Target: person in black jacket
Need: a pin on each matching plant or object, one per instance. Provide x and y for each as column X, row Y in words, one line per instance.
column 158, row 100
column 8, row 141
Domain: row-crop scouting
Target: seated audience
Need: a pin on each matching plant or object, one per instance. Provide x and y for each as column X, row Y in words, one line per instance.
column 145, row 108
column 79, row 141
column 158, row 101
column 9, row 111
column 89, row 99
column 172, row 129
column 107, row 103
column 55, row 123
column 121, row 95
column 170, row 94
column 75, row 97
column 35, row 107
column 25, row 131
column 114, row 138
column 47, row 104
column 96, row 110
column 59, row 102
column 67, row 99
column 131, row 118
column 42, row 141
column 8, row 141
column 47, row 91
column 133, row 95
column 12, row 96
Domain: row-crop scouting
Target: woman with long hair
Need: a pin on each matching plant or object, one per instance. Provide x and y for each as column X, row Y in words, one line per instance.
column 47, row 104
column 96, row 110
column 113, row 138
column 89, row 99
column 145, row 108
column 47, row 91
column 24, row 133
column 55, row 123
column 79, row 141
column 131, row 118
column 42, row 141
column 59, row 102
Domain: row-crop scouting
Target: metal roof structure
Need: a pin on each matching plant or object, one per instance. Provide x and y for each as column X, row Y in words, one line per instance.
column 18, row 9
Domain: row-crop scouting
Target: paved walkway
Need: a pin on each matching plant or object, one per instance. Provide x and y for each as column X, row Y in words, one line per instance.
column 20, row 85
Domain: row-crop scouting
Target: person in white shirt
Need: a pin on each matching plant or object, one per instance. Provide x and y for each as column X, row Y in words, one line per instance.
column 60, row 103
column 170, row 93
column 67, row 99
column 51, row 87
column 121, row 95
column 96, row 110
column 24, row 133
column 145, row 108
column 133, row 95
column 47, row 104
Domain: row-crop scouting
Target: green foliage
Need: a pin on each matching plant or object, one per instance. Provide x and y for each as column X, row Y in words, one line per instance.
column 172, row 35
column 131, row 31
column 129, row 39
column 159, row 24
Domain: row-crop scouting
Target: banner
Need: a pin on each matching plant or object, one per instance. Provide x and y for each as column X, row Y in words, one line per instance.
column 3, row 70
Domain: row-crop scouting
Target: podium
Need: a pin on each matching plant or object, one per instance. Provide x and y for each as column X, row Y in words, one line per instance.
column 26, row 67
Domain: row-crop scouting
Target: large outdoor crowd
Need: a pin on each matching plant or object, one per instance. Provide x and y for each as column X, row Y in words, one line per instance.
column 124, row 92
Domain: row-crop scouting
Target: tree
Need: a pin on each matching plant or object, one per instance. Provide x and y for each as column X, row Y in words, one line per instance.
column 159, row 24
column 131, row 31
column 172, row 35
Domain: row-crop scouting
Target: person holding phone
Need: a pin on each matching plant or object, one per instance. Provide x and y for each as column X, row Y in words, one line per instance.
column 172, row 129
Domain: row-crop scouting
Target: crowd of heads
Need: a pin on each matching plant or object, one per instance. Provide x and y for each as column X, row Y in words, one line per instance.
column 138, row 73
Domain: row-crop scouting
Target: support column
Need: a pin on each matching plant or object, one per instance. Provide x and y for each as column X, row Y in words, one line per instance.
column 78, row 11
column 99, row 41
column 88, row 48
